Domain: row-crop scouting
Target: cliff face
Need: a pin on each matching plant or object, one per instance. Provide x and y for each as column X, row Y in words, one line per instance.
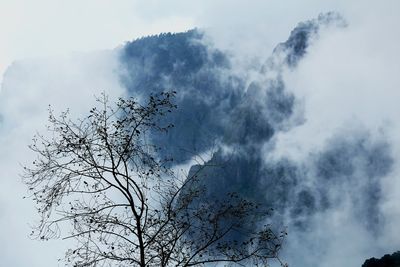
column 236, row 118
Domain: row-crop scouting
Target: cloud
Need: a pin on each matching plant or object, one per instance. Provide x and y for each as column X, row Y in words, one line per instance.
column 339, row 177
column 326, row 129
column 327, row 123
column 29, row 87
column 348, row 87
column 44, row 28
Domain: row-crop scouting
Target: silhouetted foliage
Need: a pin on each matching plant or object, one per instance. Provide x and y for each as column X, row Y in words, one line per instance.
column 386, row 261
column 100, row 181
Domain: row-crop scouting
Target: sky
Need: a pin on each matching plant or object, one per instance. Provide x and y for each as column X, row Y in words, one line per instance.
column 44, row 27
column 365, row 55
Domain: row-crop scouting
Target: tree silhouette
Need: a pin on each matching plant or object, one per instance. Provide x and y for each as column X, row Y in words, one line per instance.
column 99, row 180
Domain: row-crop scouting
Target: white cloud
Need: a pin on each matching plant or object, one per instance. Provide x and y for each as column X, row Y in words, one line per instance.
column 30, row 86
column 347, row 76
column 349, row 83
column 45, row 27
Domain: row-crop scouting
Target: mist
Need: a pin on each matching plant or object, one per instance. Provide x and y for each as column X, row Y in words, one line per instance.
column 303, row 101
column 30, row 86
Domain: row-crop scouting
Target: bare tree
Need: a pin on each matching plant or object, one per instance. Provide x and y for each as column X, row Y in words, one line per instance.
column 101, row 182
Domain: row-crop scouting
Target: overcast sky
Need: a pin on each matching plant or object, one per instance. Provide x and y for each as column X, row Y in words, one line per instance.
column 47, row 29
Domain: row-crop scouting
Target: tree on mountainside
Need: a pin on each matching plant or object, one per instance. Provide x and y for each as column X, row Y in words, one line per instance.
column 387, row 260
column 100, row 181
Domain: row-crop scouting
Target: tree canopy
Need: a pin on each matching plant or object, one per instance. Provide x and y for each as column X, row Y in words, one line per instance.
column 100, row 181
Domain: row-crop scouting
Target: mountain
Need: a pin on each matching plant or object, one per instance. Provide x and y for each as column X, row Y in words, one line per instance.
column 232, row 120
column 218, row 110
column 235, row 118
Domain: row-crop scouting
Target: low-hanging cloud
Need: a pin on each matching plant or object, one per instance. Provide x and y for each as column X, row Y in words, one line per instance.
column 349, row 87
column 309, row 124
column 265, row 118
column 29, row 87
